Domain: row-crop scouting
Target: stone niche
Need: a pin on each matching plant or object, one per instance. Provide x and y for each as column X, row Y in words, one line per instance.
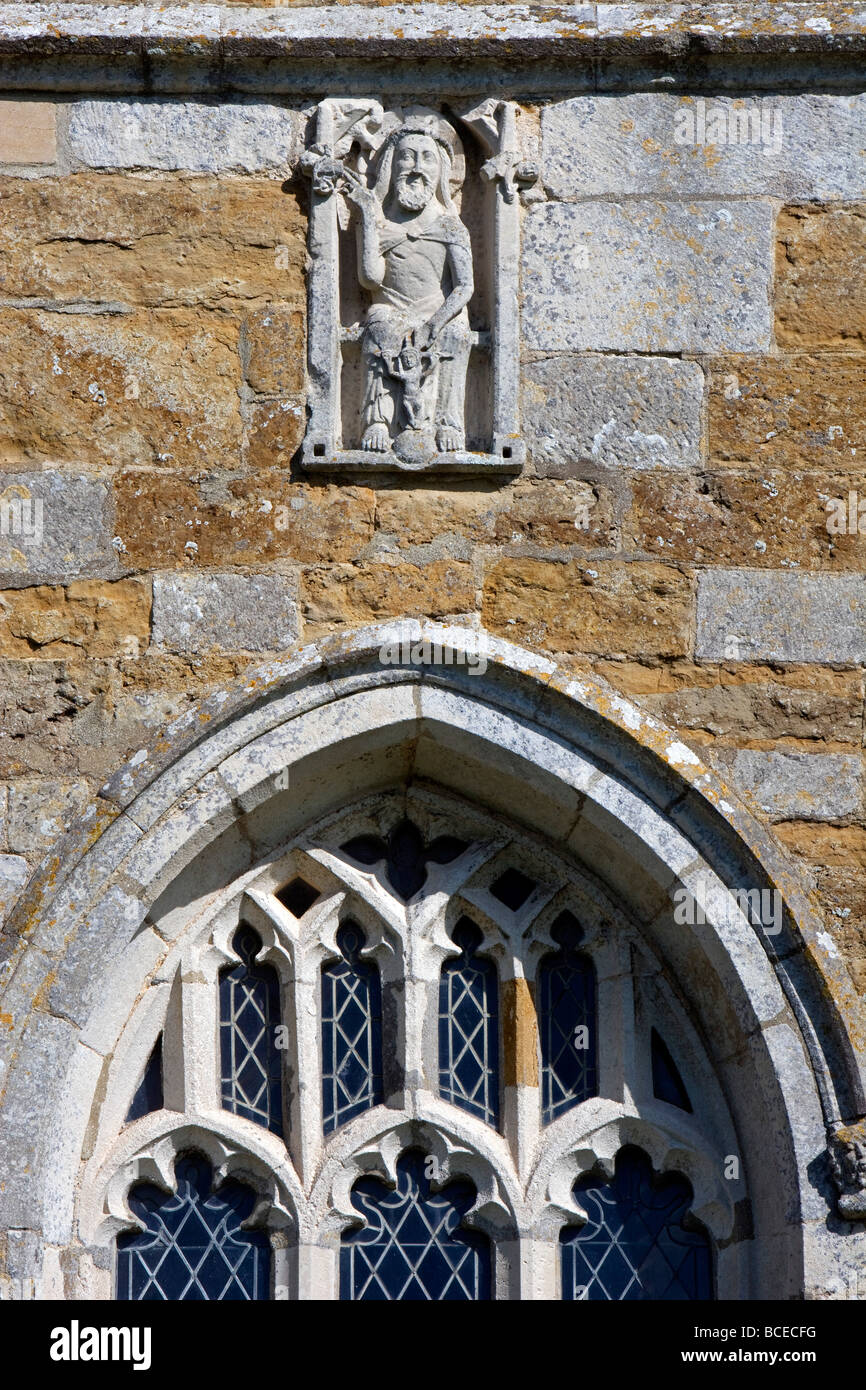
column 414, row 241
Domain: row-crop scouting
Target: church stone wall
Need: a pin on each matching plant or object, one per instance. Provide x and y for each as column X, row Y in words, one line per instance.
column 693, row 378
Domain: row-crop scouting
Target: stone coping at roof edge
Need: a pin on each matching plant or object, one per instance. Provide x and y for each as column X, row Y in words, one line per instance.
column 437, row 31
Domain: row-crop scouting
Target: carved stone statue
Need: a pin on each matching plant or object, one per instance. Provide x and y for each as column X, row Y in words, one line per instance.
column 383, row 219
column 415, row 259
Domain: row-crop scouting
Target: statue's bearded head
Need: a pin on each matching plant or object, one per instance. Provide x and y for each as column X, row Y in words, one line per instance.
column 417, row 170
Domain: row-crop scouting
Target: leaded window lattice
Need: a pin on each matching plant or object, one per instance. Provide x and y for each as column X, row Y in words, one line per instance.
column 409, row 1025
column 635, row 1244
column 567, row 1023
column 469, row 1028
column 193, row 1247
column 249, row 1018
column 351, row 1033
column 412, row 1246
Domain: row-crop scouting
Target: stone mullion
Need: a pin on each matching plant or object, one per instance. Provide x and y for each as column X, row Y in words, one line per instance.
column 618, row 1071
column 191, row 1073
column 303, row 1079
column 420, row 1025
column 520, row 1071
column 527, row 1268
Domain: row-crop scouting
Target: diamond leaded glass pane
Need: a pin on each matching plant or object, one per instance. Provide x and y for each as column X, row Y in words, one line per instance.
column 469, row 1028
column 351, row 1033
column 192, row 1247
column 249, row 1017
column 412, row 1246
column 567, row 1024
column 634, row 1245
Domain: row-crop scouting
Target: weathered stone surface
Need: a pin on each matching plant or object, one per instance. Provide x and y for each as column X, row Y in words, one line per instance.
column 275, row 431
column 109, row 926
column 836, row 846
column 39, row 810
column 14, row 873
column 749, row 704
column 778, row 616
column 149, row 387
column 771, row 519
column 783, row 411
column 628, row 412
column 358, row 594
column 172, row 241
column 611, row 608
column 238, row 612
column 816, row 706
column 87, row 617
column 82, row 718
column 28, row 132
column 806, row 146
column 525, row 513
column 648, row 275
column 843, row 890
column 821, row 277
column 273, row 347
column 209, row 137
column 164, row 521
column 30, row 1103
column 53, row 526
column 799, row 786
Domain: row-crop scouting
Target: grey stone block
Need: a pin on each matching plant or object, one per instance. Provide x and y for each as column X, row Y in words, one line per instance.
column 30, row 1101
column 102, row 937
column 747, row 615
column 635, row 412
column 199, row 136
column 14, row 873
column 648, row 276
column 257, row 612
column 800, row 786
column 40, row 810
column 796, row 147
column 54, row 526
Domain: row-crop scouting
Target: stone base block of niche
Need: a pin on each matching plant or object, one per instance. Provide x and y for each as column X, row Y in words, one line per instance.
column 459, row 461
column 413, row 322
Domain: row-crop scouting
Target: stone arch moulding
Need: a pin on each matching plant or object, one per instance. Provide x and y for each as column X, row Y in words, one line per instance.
column 563, row 758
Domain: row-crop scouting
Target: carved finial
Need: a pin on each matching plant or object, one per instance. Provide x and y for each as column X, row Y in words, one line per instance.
column 846, row 1149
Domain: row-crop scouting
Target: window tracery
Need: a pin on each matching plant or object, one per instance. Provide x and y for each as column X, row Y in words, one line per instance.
column 450, row 991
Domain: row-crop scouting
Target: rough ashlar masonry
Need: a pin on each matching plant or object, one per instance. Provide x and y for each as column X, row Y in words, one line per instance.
column 693, row 395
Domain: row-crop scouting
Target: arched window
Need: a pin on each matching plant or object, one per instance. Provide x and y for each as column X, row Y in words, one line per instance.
column 469, row 1028
column 193, row 1246
column 413, row 1246
column 351, row 1032
column 567, row 1019
column 635, row 1244
column 249, row 1018
column 450, row 1026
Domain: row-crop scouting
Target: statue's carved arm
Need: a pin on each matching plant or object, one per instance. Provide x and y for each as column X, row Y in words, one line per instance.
column 463, row 285
column 371, row 262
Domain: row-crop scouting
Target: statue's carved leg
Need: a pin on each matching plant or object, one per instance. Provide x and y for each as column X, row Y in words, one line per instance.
column 454, row 344
column 379, row 406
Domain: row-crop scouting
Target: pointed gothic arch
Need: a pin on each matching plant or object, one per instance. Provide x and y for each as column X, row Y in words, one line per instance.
column 132, row 917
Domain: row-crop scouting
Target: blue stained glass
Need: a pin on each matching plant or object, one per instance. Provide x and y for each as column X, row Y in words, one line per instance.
column 567, row 1023
column 148, row 1097
column 249, row 1018
column 351, row 1033
column 193, row 1247
column 667, row 1083
column 469, row 1028
column 634, row 1245
column 412, row 1247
